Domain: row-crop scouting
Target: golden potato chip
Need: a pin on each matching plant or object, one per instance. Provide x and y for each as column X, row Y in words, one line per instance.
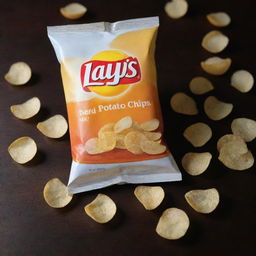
column 102, row 209
column 198, row 134
column 203, row 200
column 215, row 41
column 183, row 104
column 22, row 150
column 18, row 74
column 56, row 194
column 216, row 65
column 122, row 124
column 27, row 109
column 229, row 138
column 149, row 196
column 54, row 127
column 92, row 146
column 196, row 163
column 176, row 9
column 242, row 80
column 106, row 128
column 152, row 147
column 153, row 135
column 219, row 19
column 216, row 109
column 173, row 224
column 132, row 142
column 73, row 11
column 200, row 85
column 150, row 125
column 245, row 128
column 107, row 141
column 120, row 141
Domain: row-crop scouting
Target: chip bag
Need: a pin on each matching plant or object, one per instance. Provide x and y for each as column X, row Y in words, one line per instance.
column 109, row 78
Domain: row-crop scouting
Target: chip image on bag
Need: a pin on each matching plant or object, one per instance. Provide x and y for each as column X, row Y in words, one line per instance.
column 115, row 121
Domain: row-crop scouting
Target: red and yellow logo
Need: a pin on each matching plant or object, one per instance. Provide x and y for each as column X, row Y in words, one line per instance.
column 110, row 73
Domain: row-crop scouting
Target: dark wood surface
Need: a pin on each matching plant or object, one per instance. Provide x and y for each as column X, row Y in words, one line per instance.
column 29, row 227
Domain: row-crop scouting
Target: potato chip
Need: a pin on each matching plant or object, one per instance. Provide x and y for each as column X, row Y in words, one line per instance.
column 198, row 134
column 176, row 9
column 107, row 141
column 120, row 141
column 22, row 150
column 245, row 128
column 27, row 109
column 216, row 65
column 153, row 135
column 216, row 109
column 183, row 104
column 229, row 138
column 102, row 209
column 150, row 196
column 132, row 142
column 200, row 85
column 196, row 163
column 109, row 127
column 73, row 11
column 219, row 19
column 150, row 125
column 122, row 124
column 93, row 147
column 215, row 41
column 56, row 194
column 54, row 127
column 203, row 200
column 173, row 224
column 242, row 80
column 18, row 74
column 152, row 147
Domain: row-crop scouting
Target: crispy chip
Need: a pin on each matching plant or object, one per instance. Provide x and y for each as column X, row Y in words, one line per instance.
column 18, row 74
column 198, row 134
column 150, row 197
column 132, row 142
column 150, row 125
column 183, row 104
column 216, row 65
column 176, row 9
column 22, row 150
column 109, row 127
column 120, row 141
column 56, row 194
column 102, row 209
column 216, row 109
column 92, row 146
column 245, row 128
column 152, row 147
column 196, row 163
column 73, row 11
column 219, row 19
column 242, row 80
column 153, row 135
column 122, row 124
column 107, row 141
column 229, row 138
column 173, row 224
column 54, row 127
column 215, row 41
column 200, row 85
column 27, row 109
column 203, row 200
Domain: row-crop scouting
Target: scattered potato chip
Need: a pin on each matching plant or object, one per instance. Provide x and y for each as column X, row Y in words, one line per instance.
column 242, row 80
column 120, row 141
column 54, row 127
column 73, row 11
column 102, row 209
column 198, row 134
column 56, row 194
column 153, row 135
column 109, row 127
column 92, row 146
column 150, row 125
column 107, row 141
column 219, row 19
column 196, row 163
column 122, row 124
column 215, row 41
column 18, row 74
column 132, row 142
column 22, row 150
column 216, row 109
column 173, row 224
column 176, row 9
column 152, row 147
column 150, row 196
column 203, row 200
column 216, row 65
column 200, row 85
column 27, row 109
column 183, row 104
column 245, row 128
column 229, row 138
